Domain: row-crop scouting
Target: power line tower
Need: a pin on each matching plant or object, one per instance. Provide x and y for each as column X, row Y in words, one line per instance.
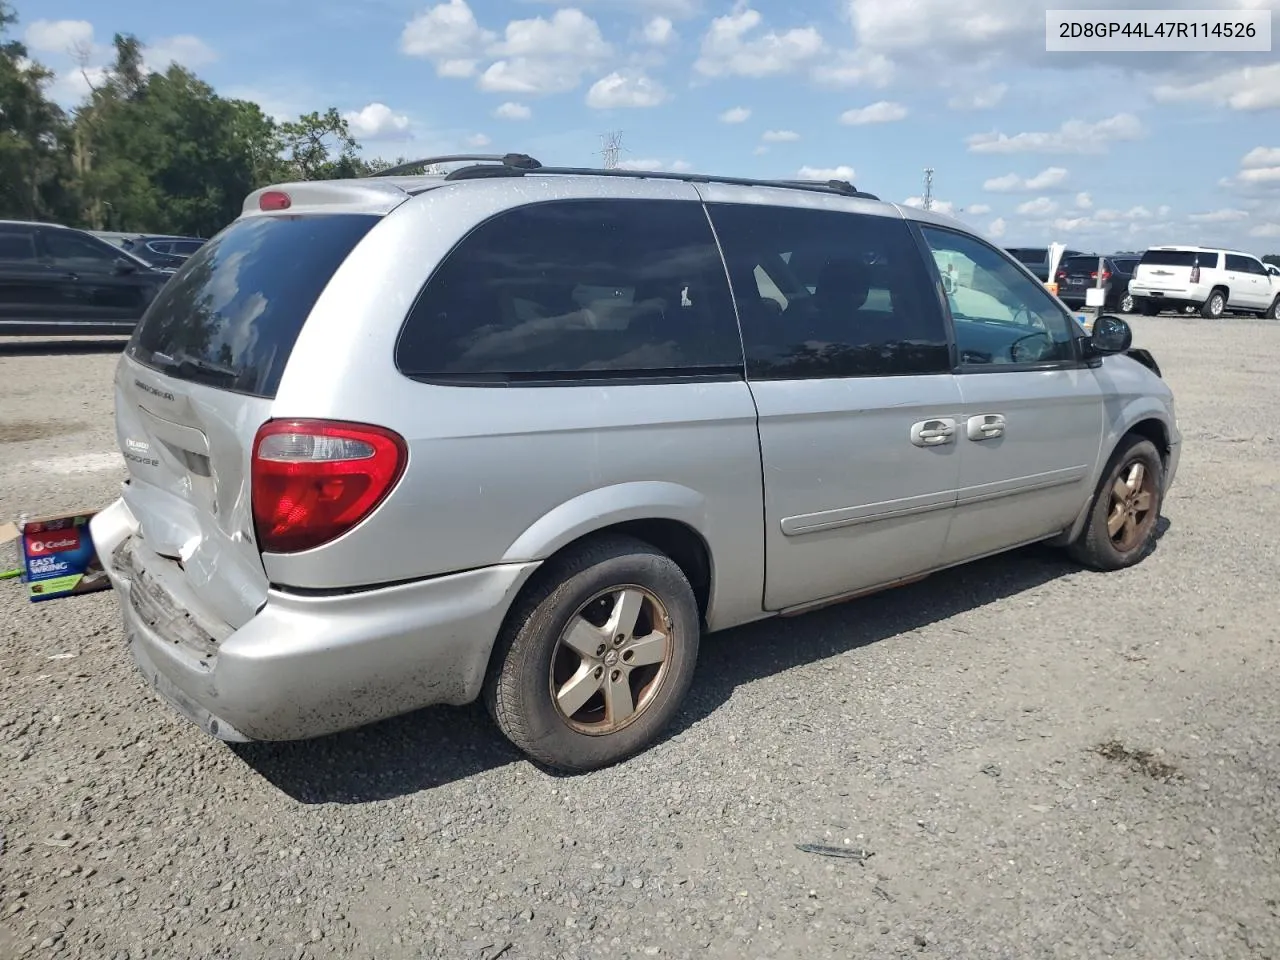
column 927, row 202
column 611, row 148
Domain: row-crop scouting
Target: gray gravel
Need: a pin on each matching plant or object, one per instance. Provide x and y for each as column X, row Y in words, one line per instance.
column 1018, row 759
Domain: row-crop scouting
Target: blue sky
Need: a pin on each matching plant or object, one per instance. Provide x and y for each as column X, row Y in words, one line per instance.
column 1099, row 151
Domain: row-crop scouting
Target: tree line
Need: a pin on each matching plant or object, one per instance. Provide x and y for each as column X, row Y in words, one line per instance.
column 149, row 152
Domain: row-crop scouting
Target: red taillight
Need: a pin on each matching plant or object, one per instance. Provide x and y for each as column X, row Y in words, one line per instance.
column 1062, row 274
column 1106, row 275
column 313, row 480
column 1195, row 273
column 274, row 200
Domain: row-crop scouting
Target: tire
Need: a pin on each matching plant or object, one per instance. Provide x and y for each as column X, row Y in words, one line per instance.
column 581, row 590
column 1127, row 303
column 1274, row 312
column 1097, row 547
column 1215, row 306
column 1148, row 308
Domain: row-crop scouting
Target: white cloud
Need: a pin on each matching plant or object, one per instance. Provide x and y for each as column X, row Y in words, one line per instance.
column 841, row 172
column 1225, row 215
column 513, row 111
column 855, row 68
column 622, row 90
column 58, row 36
column 883, row 111
column 1074, row 136
column 541, row 56
column 1259, row 176
column 1245, row 88
column 1046, row 179
column 944, row 25
column 997, row 227
column 377, row 121
column 1266, row 230
column 1084, row 201
column 659, row 32
column 945, row 207
column 977, row 209
column 657, row 166
column 449, row 36
column 1261, row 157
column 478, row 140
column 780, row 136
column 982, row 99
column 1039, row 207
column 727, row 50
column 185, row 49
column 735, row 115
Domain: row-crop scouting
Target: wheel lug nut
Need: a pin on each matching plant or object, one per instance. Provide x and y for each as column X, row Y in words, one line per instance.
column 617, row 641
column 600, row 650
column 628, row 655
column 599, row 672
column 615, row 675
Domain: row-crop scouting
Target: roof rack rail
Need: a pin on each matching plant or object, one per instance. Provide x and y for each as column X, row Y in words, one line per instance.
column 514, row 161
column 481, row 171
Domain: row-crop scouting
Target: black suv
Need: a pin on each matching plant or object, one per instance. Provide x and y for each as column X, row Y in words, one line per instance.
column 58, row 281
column 1036, row 259
column 1078, row 273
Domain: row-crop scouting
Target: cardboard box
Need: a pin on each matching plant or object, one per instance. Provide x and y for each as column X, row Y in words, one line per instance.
column 58, row 558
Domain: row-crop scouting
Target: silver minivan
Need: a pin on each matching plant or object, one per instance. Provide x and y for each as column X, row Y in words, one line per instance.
column 525, row 433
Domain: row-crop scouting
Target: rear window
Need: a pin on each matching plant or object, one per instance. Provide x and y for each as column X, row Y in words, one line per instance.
column 1179, row 258
column 1080, row 264
column 17, row 246
column 230, row 317
column 1031, row 255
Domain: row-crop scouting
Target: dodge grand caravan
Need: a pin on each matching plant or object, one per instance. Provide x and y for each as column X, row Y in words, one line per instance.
column 523, row 434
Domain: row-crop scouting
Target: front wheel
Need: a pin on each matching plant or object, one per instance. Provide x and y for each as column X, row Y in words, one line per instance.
column 1274, row 312
column 596, row 657
column 1121, row 529
column 1126, row 303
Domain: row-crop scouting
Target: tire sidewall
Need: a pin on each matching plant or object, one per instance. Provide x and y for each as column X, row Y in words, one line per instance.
column 1146, row 451
column 549, row 736
column 1274, row 312
column 1216, row 305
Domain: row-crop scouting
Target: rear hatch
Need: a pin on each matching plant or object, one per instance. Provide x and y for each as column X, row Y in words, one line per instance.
column 1172, row 271
column 197, row 381
column 1077, row 274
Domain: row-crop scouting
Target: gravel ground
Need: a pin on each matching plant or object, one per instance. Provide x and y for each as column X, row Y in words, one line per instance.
column 1017, row 759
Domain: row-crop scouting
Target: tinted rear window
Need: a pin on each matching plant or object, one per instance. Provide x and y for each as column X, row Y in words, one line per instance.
column 1080, row 264
column 1032, row 255
column 230, row 317
column 17, row 246
column 1178, row 258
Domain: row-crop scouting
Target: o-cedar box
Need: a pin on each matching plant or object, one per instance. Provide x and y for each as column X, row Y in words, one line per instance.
column 58, row 557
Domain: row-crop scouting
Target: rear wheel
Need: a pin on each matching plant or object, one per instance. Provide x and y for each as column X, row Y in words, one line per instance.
column 596, row 657
column 1274, row 312
column 1215, row 306
column 1126, row 303
column 1121, row 529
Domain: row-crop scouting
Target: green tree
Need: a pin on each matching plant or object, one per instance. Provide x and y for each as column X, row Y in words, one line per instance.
column 319, row 146
column 31, row 128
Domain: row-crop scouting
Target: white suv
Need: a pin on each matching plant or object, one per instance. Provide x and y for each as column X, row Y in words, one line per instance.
column 1213, row 281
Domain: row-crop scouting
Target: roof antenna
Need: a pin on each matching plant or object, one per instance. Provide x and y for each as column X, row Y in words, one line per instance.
column 927, row 202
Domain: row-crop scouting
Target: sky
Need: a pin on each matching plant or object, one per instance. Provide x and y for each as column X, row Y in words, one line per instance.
column 1100, row 151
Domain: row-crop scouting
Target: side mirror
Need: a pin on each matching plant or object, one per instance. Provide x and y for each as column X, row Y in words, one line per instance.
column 1110, row 335
column 125, row 266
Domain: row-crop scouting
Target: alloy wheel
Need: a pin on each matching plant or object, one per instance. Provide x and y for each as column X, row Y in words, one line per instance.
column 1133, row 496
column 611, row 660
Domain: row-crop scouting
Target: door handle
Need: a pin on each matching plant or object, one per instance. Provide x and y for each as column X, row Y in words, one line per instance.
column 985, row 426
column 933, row 433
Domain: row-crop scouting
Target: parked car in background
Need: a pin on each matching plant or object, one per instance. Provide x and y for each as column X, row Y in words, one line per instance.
column 1213, row 281
column 1036, row 259
column 1272, row 269
column 162, row 251
column 1078, row 273
column 524, row 434
column 59, row 281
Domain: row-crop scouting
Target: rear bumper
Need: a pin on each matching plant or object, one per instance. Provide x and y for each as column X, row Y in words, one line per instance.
column 305, row 666
column 1184, row 296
